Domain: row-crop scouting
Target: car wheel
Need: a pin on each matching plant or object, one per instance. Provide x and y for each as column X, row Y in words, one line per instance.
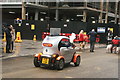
column 36, row 64
column 77, row 63
column 60, row 64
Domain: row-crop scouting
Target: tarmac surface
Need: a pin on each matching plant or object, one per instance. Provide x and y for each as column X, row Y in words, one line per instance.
column 30, row 47
column 93, row 65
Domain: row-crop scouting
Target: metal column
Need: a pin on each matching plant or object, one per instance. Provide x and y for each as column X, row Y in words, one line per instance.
column 106, row 16
column 116, row 9
column 23, row 10
column 36, row 12
column 84, row 12
column 57, row 12
column 119, row 14
column 101, row 14
column 84, row 16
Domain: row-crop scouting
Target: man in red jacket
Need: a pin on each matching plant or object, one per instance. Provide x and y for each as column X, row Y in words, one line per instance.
column 115, row 42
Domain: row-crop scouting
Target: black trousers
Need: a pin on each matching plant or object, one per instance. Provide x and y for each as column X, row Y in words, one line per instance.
column 8, row 45
column 92, row 45
column 12, row 45
column 113, row 45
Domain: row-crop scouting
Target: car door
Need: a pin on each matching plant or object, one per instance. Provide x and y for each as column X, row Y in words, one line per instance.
column 66, row 50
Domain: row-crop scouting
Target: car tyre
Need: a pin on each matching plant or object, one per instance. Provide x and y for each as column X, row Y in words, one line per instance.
column 77, row 63
column 36, row 64
column 60, row 64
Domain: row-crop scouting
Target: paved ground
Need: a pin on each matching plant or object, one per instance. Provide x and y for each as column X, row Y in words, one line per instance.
column 20, row 63
column 97, row 65
column 29, row 47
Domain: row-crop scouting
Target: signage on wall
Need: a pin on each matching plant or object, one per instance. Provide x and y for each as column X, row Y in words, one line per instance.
column 32, row 27
column 101, row 30
column 111, row 29
column 18, row 21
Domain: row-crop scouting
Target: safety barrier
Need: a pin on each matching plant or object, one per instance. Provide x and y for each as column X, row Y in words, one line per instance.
column 44, row 34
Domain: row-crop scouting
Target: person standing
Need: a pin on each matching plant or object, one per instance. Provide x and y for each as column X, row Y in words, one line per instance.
column 8, row 39
column 85, row 40
column 109, row 35
column 92, row 36
column 13, row 37
column 72, row 37
column 81, row 38
column 115, row 43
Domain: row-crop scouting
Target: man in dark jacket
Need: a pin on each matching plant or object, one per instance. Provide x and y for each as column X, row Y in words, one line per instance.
column 8, row 38
column 92, row 36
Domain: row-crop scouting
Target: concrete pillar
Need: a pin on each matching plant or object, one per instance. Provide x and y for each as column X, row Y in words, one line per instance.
column 119, row 14
column 116, row 9
column 101, row 14
column 106, row 16
column 56, row 15
column 57, row 12
column 36, row 14
column 84, row 16
column 85, row 3
column 36, row 11
column 84, row 12
column 0, row 22
column 23, row 10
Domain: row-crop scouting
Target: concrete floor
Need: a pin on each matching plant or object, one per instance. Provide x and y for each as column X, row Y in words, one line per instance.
column 97, row 65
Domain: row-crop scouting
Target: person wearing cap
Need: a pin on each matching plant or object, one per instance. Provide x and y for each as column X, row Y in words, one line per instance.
column 92, row 36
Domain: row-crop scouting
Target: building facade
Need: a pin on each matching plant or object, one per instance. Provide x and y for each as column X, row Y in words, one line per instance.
column 93, row 12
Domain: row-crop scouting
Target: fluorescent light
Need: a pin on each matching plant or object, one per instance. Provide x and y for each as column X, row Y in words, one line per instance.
column 93, row 17
column 79, row 15
column 65, row 25
column 42, row 19
column 67, row 20
column 12, row 12
column 93, row 21
column 43, row 12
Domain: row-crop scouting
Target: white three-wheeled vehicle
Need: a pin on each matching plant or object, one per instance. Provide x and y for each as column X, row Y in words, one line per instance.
column 57, row 51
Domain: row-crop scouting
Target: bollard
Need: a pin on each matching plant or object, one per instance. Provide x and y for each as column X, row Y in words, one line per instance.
column 4, row 39
column 18, row 37
column 34, row 38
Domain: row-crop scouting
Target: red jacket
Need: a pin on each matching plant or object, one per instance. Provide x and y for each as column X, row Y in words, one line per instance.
column 115, row 41
column 81, row 37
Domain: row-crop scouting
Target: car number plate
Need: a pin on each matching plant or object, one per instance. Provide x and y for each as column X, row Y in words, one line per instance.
column 45, row 60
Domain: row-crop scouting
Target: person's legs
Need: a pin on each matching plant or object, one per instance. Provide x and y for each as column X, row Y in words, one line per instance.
column 93, row 45
column 81, row 43
column 7, row 47
column 90, row 46
column 111, row 50
column 12, row 45
column 8, row 42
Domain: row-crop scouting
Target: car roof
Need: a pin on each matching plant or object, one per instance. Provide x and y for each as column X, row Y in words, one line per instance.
column 52, row 39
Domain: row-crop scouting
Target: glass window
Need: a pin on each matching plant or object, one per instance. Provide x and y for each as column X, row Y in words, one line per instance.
column 64, row 43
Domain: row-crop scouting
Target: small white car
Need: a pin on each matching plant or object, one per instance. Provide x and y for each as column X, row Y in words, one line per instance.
column 57, row 51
